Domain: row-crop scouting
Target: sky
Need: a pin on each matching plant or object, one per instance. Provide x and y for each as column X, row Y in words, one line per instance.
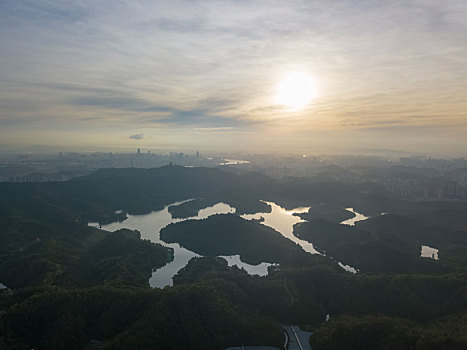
column 206, row 74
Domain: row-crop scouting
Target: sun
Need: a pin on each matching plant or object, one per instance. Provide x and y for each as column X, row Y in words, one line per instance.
column 296, row 90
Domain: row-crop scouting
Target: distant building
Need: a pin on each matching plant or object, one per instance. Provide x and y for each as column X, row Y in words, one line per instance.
column 197, row 154
column 138, row 151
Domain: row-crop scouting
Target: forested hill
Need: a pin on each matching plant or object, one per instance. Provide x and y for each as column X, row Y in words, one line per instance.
column 79, row 287
column 99, row 195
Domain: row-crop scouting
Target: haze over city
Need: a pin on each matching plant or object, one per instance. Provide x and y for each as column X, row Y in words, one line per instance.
column 294, row 76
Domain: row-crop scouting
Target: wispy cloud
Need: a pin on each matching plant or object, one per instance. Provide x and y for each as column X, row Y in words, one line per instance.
column 208, row 64
column 137, row 136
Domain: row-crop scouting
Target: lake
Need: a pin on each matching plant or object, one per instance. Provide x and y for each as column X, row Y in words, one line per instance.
column 429, row 252
column 283, row 220
column 150, row 225
column 357, row 217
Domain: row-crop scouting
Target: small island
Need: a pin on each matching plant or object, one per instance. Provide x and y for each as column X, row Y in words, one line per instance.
column 329, row 212
column 230, row 234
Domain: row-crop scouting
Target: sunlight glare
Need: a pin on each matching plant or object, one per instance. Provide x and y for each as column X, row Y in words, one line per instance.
column 296, row 90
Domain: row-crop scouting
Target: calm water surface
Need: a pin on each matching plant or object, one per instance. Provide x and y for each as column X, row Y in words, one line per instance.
column 348, row 268
column 429, row 252
column 283, row 220
column 150, row 225
column 260, row 269
column 357, row 217
column 279, row 218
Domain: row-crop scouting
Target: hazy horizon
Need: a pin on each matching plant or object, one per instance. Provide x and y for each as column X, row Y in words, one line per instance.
column 293, row 77
column 9, row 151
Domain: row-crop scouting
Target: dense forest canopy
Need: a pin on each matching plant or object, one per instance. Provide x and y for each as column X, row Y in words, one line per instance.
column 75, row 286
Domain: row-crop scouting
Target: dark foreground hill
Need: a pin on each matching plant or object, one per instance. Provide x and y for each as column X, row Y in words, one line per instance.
column 231, row 235
column 77, row 287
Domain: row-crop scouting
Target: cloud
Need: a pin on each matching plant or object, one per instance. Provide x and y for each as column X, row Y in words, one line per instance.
column 89, row 66
column 201, row 118
column 123, row 103
column 137, row 136
column 163, row 115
